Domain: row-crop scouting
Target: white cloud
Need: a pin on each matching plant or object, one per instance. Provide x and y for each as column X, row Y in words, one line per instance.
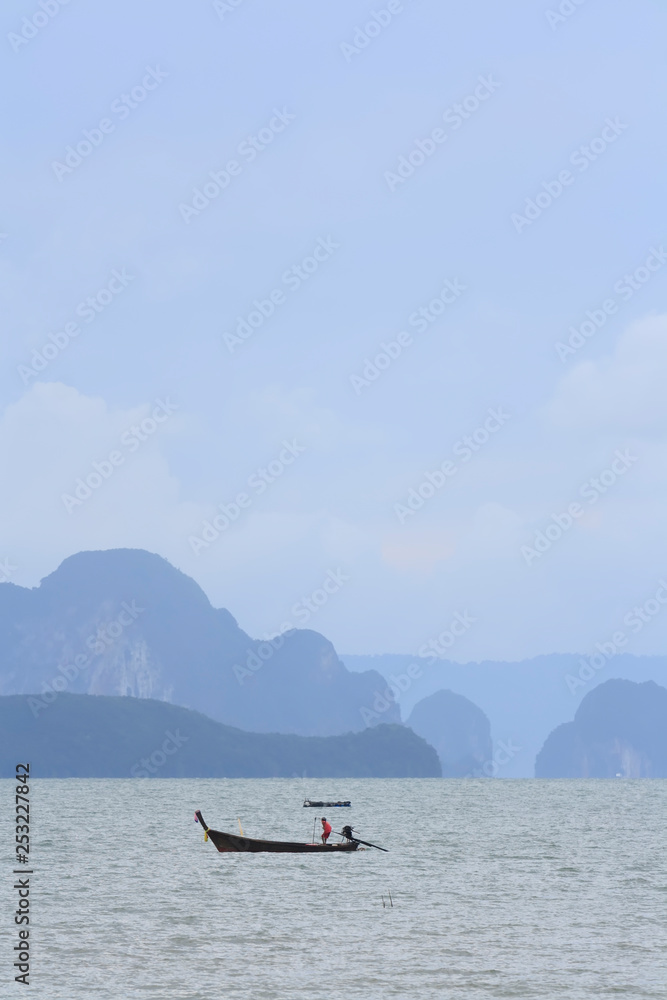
column 55, row 437
column 463, row 550
column 621, row 393
column 51, row 438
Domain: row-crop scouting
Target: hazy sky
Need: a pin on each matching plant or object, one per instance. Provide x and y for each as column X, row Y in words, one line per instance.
column 363, row 173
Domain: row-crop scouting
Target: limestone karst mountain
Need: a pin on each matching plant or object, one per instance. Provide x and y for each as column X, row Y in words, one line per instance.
column 126, row 622
column 459, row 731
column 524, row 700
column 619, row 730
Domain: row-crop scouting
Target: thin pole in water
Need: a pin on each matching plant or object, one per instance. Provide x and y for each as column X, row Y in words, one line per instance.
column 391, row 901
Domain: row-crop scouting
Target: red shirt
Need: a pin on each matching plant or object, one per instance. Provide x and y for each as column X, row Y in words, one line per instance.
column 326, row 829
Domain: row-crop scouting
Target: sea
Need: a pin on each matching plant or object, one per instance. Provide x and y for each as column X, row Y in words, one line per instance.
column 490, row 889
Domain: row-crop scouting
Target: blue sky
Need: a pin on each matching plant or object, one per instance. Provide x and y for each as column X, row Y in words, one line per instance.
column 339, row 125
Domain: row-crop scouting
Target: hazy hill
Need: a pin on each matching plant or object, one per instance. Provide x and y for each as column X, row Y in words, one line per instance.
column 126, row 622
column 104, row 737
column 524, row 701
column 620, row 728
column 459, row 731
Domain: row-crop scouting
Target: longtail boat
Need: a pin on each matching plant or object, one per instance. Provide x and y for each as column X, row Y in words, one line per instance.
column 226, row 842
column 310, row 803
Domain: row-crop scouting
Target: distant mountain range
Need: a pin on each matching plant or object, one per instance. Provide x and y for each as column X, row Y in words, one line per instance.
column 523, row 701
column 619, row 730
column 126, row 622
column 83, row 736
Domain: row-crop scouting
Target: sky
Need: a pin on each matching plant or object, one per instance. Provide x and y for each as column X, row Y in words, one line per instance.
column 368, row 292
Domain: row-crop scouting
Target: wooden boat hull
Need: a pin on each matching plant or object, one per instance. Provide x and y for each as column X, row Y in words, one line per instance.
column 325, row 805
column 233, row 843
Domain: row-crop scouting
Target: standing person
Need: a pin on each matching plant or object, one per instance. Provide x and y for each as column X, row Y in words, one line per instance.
column 326, row 830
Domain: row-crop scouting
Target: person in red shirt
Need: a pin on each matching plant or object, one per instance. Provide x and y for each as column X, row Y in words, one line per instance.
column 326, row 830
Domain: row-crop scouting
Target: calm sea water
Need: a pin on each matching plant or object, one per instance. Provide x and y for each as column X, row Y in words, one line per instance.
column 500, row 889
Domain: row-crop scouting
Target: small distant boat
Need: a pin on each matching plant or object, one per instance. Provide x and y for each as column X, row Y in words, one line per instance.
column 329, row 805
column 230, row 842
